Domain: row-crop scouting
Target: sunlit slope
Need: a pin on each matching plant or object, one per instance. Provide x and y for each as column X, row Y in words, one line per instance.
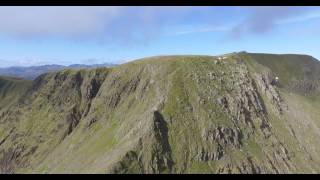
column 11, row 89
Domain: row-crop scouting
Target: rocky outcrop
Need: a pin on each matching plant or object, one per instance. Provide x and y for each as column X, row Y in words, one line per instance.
column 220, row 138
column 247, row 166
column 264, row 82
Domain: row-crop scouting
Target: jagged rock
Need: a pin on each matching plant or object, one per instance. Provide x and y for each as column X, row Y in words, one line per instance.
column 221, row 138
column 264, row 82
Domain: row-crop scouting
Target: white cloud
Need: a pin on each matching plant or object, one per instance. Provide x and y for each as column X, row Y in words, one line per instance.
column 201, row 29
column 55, row 21
column 141, row 24
column 264, row 19
column 103, row 24
column 306, row 17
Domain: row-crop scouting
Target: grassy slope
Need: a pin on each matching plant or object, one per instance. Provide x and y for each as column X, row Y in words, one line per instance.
column 288, row 67
column 11, row 89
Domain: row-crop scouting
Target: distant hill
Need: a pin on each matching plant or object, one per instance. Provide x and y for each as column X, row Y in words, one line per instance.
column 32, row 72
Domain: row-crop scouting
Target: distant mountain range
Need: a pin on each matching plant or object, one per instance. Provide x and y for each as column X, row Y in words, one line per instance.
column 34, row 71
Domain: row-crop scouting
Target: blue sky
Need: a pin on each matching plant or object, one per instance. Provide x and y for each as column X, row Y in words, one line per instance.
column 67, row 35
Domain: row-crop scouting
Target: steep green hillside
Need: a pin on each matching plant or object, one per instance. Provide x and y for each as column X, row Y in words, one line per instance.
column 11, row 89
column 168, row 114
column 299, row 73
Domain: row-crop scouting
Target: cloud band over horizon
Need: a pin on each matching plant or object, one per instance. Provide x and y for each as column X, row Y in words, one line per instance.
column 130, row 28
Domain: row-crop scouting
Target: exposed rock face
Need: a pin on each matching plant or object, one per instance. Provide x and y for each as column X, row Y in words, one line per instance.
column 264, row 82
column 248, row 166
column 220, row 137
column 179, row 114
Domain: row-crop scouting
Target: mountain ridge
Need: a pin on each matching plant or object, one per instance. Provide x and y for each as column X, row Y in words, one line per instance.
column 169, row 114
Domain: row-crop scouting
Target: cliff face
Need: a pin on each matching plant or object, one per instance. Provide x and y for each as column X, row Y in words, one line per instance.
column 175, row 114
